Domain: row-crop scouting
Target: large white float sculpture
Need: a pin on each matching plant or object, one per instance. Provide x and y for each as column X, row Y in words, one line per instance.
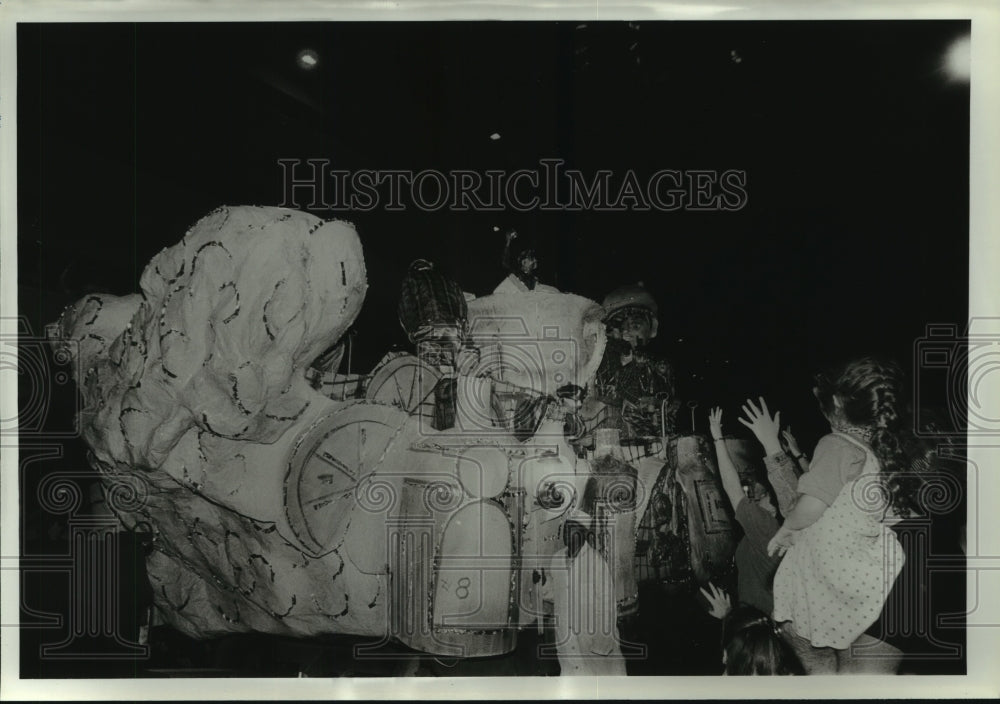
column 276, row 508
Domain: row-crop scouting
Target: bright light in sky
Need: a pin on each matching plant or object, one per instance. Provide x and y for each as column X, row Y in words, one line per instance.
column 958, row 59
column 307, row 59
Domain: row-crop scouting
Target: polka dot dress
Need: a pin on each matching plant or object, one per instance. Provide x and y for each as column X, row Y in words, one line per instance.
column 833, row 581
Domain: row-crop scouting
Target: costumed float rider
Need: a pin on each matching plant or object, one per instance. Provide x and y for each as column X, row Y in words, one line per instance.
column 636, row 385
column 520, row 259
column 433, row 311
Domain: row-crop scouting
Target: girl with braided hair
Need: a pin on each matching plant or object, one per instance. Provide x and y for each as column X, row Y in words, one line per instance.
column 841, row 556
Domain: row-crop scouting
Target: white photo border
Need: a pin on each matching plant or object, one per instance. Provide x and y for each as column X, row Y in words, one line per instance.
column 983, row 644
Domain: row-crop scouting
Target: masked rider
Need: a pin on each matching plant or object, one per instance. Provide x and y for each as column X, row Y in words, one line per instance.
column 637, row 385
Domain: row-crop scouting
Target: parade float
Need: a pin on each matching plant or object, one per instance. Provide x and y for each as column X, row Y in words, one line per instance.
column 292, row 499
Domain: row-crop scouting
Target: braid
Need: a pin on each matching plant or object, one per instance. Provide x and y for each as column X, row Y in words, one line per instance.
column 871, row 392
column 894, row 470
column 886, row 413
column 878, row 403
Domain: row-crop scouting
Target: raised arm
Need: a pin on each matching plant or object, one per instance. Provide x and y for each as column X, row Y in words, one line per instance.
column 782, row 477
column 731, row 483
column 780, row 472
column 764, row 427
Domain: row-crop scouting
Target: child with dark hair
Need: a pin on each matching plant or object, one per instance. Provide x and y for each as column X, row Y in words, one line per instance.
column 841, row 556
column 752, row 645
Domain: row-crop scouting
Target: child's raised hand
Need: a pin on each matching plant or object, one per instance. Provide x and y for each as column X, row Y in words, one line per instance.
column 766, row 428
column 718, row 601
column 793, row 444
column 715, row 422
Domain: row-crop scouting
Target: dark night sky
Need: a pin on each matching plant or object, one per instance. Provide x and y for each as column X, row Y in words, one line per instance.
column 855, row 144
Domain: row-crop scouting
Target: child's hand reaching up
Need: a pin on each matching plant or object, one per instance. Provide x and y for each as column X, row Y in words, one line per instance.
column 718, row 601
column 766, row 428
column 715, row 423
column 793, row 444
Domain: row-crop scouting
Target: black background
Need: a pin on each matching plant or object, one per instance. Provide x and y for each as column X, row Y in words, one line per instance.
column 854, row 142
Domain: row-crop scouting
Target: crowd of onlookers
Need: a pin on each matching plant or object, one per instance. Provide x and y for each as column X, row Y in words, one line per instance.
column 819, row 561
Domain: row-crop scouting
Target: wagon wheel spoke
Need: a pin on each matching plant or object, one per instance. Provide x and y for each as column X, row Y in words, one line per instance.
column 399, row 392
column 414, row 386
